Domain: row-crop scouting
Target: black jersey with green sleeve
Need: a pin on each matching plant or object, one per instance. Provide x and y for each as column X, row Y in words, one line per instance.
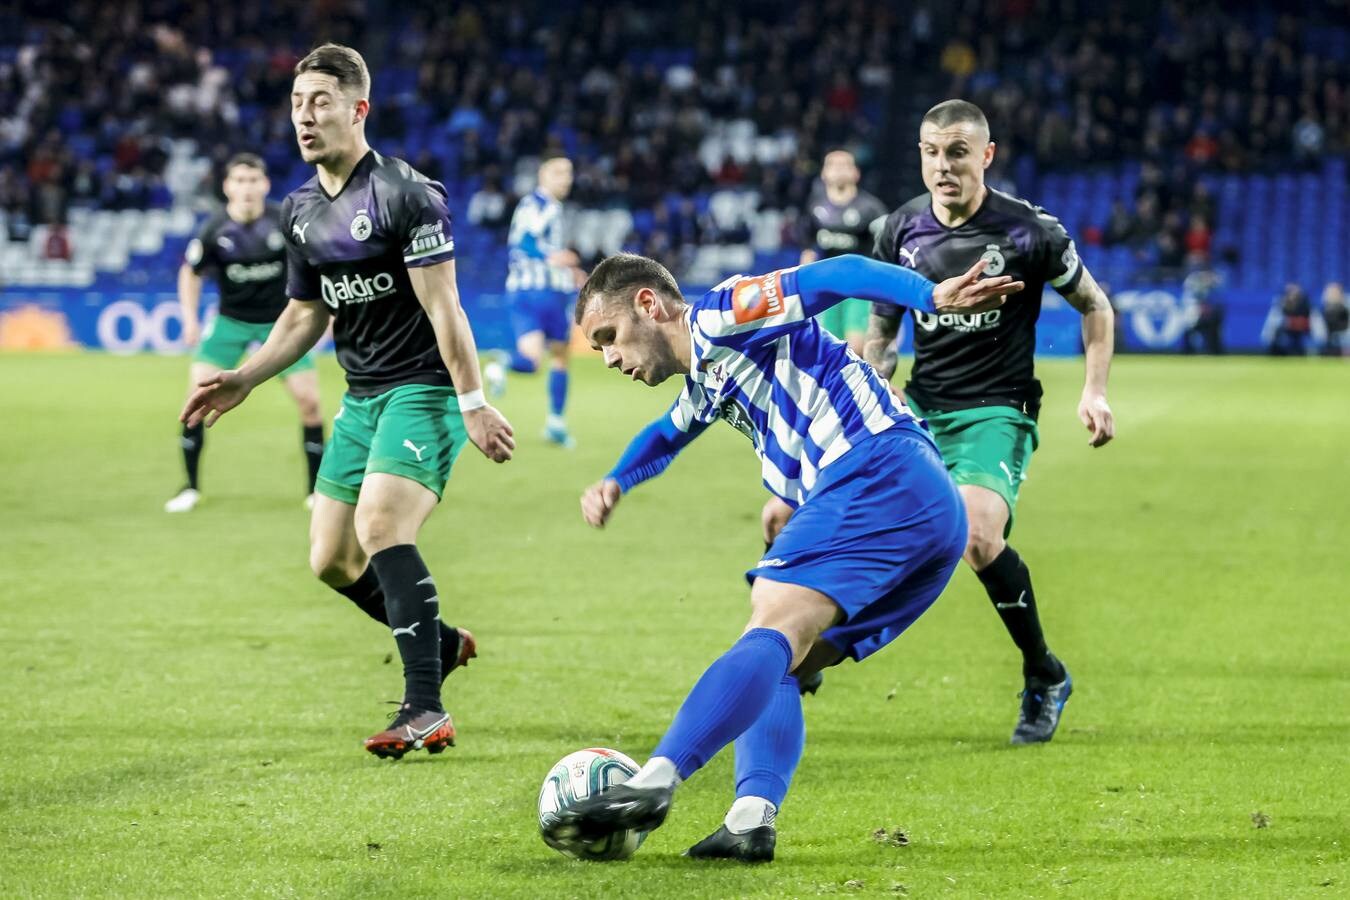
column 248, row 261
column 353, row 252
column 981, row 359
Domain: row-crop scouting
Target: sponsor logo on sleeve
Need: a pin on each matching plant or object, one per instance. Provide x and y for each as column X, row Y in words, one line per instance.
column 757, row 298
column 425, row 238
column 1069, row 257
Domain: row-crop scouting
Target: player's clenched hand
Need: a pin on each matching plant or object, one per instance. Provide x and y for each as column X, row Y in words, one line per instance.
column 490, row 432
column 1095, row 414
column 599, row 501
column 214, row 396
column 968, row 293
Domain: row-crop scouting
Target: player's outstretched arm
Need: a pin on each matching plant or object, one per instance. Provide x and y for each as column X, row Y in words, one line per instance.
column 297, row 329
column 1099, row 336
column 647, row 455
column 830, row 281
column 437, row 292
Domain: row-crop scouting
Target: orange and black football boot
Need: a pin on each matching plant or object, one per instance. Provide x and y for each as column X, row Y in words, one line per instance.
column 413, row 729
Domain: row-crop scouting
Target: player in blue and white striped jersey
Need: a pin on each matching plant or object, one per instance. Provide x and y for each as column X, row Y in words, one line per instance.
column 542, row 278
column 879, row 525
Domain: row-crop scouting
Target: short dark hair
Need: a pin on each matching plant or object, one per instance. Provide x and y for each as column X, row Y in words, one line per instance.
column 251, row 160
column 952, row 112
column 621, row 276
column 343, row 63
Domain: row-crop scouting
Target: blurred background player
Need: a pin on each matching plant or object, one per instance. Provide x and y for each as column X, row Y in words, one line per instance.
column 974, row 376
column 879, row 526
column 541, row 282
column 842, row 219
column 369, row 246
column 244, row 249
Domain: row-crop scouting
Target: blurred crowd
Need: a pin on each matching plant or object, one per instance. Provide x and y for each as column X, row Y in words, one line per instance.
column 1183, row 88
column 92, row 95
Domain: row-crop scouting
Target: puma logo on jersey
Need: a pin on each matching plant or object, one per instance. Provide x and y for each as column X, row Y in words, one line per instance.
column 415, row 449
column 909, row 255
column 299, row 232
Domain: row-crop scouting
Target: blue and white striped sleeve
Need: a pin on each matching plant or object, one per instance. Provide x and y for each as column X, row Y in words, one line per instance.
column 657, row 445
column 746, row 310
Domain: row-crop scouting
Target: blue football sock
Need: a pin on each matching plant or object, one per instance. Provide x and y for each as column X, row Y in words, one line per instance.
column 732, row 694
column 768, row 751
column 522, row 363
column 557, row 391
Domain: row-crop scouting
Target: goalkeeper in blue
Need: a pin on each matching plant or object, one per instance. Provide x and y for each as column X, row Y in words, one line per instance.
column 878, row 528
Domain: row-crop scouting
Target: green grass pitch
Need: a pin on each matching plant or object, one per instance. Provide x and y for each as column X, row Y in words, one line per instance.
column 183, row 703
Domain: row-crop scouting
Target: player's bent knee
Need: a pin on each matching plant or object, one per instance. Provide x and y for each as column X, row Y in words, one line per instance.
column 333, row 568
column 379, row 529
column 983, row 545
column 799, row 613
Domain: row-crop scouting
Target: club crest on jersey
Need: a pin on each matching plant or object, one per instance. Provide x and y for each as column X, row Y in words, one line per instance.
column 994, row 257
column 361, row 226
column 275, row 241
column 225, row 243
column 757, row 298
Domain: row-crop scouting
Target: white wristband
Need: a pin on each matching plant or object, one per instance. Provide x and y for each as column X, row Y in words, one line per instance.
column 471, row 400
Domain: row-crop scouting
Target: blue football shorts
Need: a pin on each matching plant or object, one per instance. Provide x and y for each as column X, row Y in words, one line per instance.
column 880, row 534
column 546, row 311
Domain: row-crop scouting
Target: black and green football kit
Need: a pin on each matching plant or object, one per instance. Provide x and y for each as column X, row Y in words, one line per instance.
column 351, row 251
column 974, row 377
column 834, row 229
column 248, row 261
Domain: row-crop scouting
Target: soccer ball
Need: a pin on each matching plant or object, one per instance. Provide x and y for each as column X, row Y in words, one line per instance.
column 580, row 775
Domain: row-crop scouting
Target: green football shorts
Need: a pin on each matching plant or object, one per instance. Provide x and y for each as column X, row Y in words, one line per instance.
column 847, row 317
column 414, row 430
column 990, row 446
column 227, row 340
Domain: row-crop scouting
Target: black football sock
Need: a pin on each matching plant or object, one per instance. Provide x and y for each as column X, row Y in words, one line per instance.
column 370, row 599
column 1008, row 584
column 413, row 608
column 191, row 441
column 366, row 593
column 313, row 444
